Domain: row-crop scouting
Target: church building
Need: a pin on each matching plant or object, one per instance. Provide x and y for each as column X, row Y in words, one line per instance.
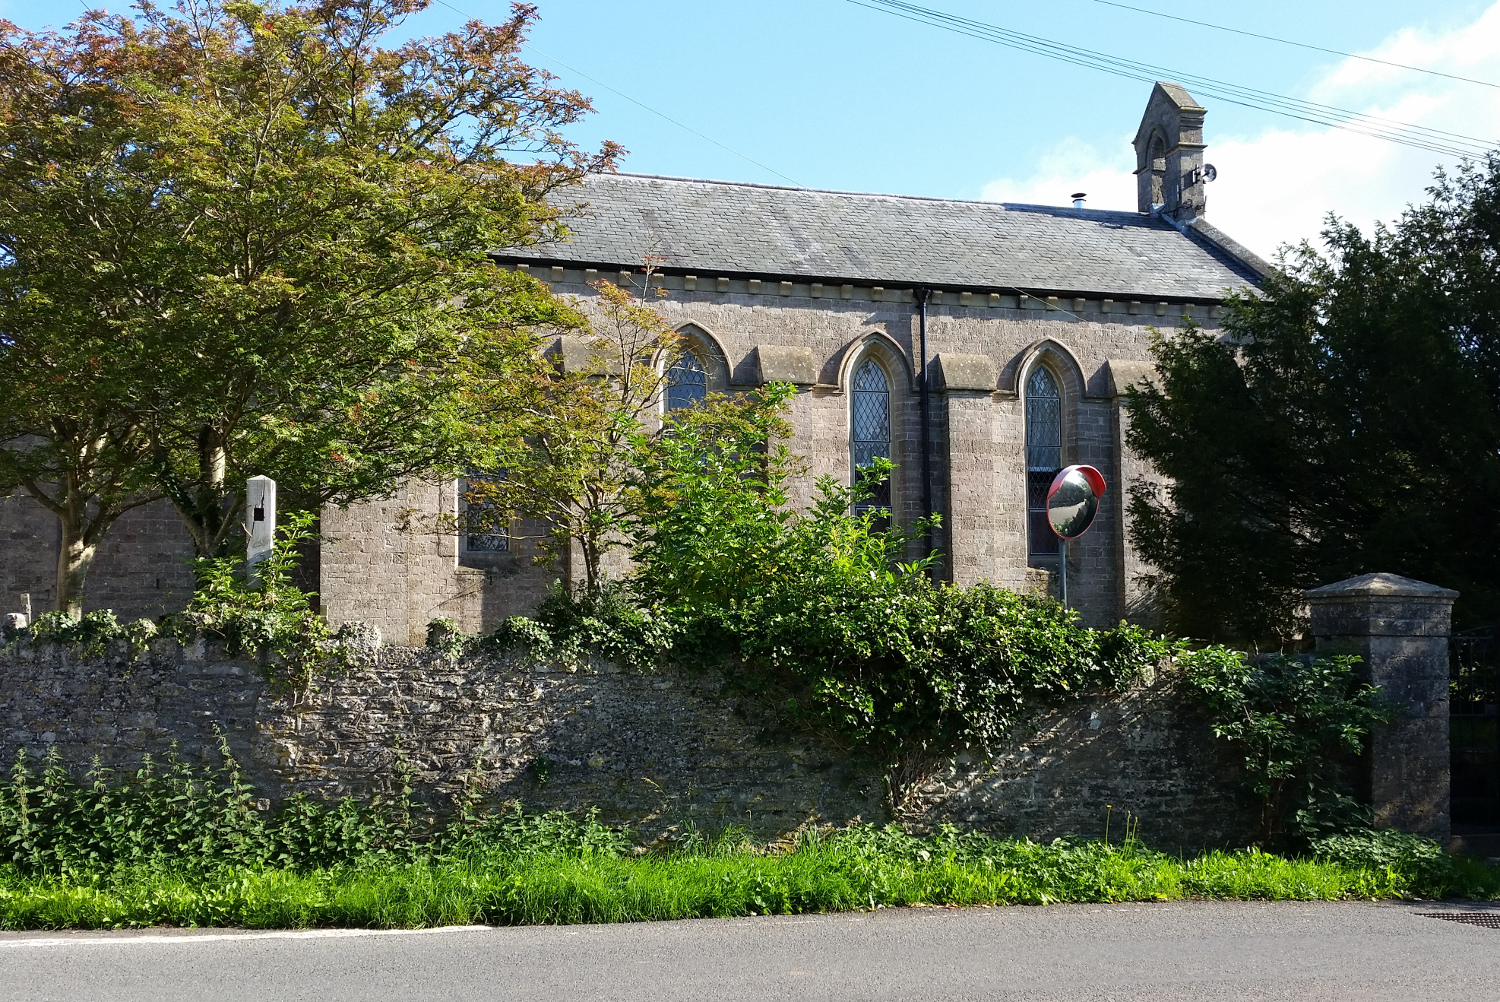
column 980, row 346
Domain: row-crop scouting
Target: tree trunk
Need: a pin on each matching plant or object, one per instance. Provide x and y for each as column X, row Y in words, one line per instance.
column 74, row 558
column 212, row 464
column 204, row 502
column 590, row 567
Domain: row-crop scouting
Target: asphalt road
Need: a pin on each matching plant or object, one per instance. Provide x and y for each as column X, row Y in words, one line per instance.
column 1192, row 950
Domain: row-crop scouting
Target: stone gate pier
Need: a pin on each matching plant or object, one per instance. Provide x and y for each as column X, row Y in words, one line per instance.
column 1399, row 629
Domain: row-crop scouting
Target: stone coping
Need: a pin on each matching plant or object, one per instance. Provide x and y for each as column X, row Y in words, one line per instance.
column 1380, row 585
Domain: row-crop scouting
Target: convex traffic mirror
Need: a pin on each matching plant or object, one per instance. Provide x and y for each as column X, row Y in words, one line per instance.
column 1073, row 500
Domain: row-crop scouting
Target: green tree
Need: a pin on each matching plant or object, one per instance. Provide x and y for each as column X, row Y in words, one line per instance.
column 71, row 434
column 818, row 613
column 282, row 236
column 1346, row 422
column 569, row 461
column 709, row 530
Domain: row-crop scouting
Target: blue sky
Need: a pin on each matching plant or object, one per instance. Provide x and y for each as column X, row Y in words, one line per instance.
column 833, row 95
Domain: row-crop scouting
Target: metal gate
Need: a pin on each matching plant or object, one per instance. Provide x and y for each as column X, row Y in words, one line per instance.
column 1474, row 708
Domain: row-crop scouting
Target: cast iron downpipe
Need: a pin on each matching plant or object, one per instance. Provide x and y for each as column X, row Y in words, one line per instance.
column 920, row 295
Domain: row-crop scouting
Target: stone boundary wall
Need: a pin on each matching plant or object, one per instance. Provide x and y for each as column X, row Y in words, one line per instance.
column 655, row 750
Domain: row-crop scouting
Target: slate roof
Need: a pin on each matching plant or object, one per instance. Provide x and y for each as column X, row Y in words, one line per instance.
column 720, row 228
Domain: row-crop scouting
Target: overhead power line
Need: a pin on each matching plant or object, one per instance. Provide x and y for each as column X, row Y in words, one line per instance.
column 1301, row 45
column 658, row 114
column 639, row 104
column 1405, row 133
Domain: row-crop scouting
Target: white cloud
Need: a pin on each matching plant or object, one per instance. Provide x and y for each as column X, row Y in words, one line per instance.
column 1069, row 166
column 1276, row 187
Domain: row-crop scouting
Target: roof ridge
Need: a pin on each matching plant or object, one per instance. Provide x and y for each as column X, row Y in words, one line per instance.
column 743, row 229
column 1022, row 206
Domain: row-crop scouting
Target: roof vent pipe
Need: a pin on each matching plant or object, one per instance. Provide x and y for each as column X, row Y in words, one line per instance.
column 1078, row 197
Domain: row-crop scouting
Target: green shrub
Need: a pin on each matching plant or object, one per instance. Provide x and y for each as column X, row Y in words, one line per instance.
column 828, row 613
column 607, row 623
column 91, row 634
column 1299, row 722
column 270, row 617
column 1416, row 866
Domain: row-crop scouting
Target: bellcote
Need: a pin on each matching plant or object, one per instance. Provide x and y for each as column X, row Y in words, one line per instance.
column 1169, row 155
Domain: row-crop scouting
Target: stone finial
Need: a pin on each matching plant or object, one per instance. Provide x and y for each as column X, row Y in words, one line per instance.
column 13, row 624
column 361, row 640
column 782, row 363
column 359, row 635
column 1169, row 154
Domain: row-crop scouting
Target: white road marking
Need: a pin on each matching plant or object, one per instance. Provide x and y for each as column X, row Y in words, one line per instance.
column 147, row 937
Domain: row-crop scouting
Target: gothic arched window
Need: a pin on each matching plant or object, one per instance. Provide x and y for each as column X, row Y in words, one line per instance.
column 1043, row 456
column 687, row 382
column 870, row 428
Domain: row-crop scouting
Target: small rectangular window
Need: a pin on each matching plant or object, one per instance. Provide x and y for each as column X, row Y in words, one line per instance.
column 483, row 526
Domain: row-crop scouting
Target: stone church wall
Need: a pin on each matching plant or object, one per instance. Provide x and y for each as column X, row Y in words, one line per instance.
column 653, row 750
column 143, row 568
column 977, row 439
column 383, row 566
column 373, row 570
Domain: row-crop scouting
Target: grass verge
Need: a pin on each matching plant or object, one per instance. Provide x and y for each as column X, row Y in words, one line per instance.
column 851, row 869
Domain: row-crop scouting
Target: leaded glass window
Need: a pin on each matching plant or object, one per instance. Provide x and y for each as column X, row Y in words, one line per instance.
column 870, row 427
column 687, row 382
column 486, row 529
column 1043, row 456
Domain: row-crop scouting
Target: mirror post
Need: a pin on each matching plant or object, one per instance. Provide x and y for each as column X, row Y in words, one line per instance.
column 1062, row 569
column 1072, row 503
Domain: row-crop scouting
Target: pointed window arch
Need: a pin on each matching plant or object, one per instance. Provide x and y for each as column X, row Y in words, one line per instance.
column 1158, row 155
column 870, row 427
column 687, row 382
column 1043, row 456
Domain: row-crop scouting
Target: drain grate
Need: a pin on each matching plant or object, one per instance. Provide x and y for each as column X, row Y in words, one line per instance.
column 1488, row 919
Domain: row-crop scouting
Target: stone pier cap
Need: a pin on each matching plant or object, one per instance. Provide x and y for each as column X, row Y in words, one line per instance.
column 1381, row 604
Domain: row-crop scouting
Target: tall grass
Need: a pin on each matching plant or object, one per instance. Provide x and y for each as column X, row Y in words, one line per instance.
column 181, row 845
column 851, row 869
